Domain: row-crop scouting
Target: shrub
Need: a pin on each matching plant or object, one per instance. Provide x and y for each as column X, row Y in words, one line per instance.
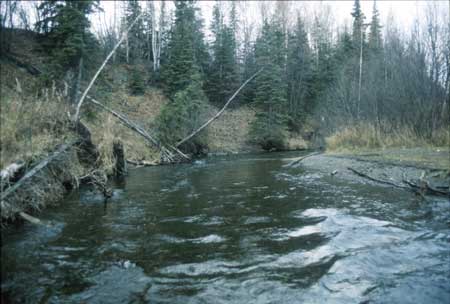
column 181, row 116
column 268, row 131
column 136, row 83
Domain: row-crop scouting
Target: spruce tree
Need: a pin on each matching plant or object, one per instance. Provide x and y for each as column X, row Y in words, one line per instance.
column 136, row 36
column 375, row 42
column 183, row 79
column 181, row 116
column 223, row 75
column 358, row 24
column 269, row 128
column 299, row 76
column 67, row 39
column 185, row 49
column 248, row 67
column 201, row 54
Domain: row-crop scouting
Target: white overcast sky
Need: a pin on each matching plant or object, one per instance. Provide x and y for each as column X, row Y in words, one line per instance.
column 404, row 12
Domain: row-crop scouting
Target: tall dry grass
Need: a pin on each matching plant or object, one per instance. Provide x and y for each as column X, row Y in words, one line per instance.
column 31, row 126
column 106, row 129
column 366, row 136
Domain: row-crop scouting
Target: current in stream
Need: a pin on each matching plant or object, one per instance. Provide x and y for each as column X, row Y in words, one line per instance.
column 242, row 229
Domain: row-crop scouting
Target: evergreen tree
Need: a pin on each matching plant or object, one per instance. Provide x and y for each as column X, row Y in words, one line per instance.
column 248, row 68
column 136, row 44
column 299, row 76
column 223, row 75
column 181, row 116
column 344, row 47
column 136, row 37
column 183, row 79
column 67, row 38
column 358, row 25
column 136, row 83
column 201, row 54
column 375, row 42
column 269, row 128
column 234, row 29
column 185, row 49
column 324, row 64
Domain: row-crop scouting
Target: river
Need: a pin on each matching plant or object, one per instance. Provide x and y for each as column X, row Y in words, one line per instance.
column 242, row 229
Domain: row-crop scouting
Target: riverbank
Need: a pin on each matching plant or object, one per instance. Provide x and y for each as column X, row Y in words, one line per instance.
column 414, row 169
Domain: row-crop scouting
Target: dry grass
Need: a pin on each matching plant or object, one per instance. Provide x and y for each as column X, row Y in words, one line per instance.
column 229, row 133
column 30, row 127
column 296, row 142
column 366, row 137
column 106, row 128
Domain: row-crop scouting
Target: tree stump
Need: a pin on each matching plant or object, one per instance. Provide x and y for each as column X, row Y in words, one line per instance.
column 120, row 168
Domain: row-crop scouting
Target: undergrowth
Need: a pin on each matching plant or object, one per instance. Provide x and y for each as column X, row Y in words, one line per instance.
column 30, row 126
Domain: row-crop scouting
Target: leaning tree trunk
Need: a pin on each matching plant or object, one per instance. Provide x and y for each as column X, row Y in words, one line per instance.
column 125, row 34
column 218, row 113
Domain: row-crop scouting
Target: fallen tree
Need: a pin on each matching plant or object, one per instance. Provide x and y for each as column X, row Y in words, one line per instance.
column 167, row 153
column 362, row 174
column 36, row 169
column 298, row 160
column 11, row 173
column 91, row 83
column 423, row 187
column 39, row 185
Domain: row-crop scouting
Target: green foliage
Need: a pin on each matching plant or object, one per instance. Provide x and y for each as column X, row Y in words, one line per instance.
column 358, row 24
column 66, row 26
column 186, row 49
column 181, row 116
column 136, row 36
column 271, row 89
column 300, row 77
column 248, row 69
column 136, row 83
column 269, row 131
column 375, row 42
column 223, row 75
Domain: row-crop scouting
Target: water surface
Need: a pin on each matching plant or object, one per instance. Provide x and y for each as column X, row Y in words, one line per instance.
column 233, row 230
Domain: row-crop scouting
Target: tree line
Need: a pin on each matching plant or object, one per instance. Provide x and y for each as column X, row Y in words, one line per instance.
column 373, row 73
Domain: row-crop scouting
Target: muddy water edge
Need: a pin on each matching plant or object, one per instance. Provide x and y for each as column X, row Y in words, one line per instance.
column 241, row 229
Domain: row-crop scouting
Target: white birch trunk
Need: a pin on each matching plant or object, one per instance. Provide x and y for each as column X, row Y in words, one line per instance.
column 125, row 34
column 154, row 33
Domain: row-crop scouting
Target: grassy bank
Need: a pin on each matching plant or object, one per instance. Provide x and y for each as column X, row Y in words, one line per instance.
column 31, row 124
column 402, row 146
column 367, row 137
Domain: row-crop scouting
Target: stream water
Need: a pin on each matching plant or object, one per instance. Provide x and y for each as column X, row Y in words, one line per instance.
column 239, row 229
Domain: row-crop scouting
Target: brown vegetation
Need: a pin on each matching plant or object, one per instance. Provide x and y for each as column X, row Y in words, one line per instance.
column 366, row 137
column 31, row 125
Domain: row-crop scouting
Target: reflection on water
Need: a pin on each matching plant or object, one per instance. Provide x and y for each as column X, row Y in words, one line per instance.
column 240, row 230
